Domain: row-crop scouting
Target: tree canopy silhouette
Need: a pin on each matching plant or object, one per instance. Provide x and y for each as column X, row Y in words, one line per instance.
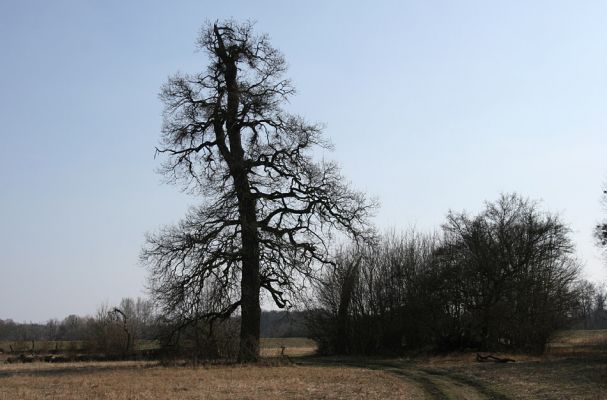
column 601, row 228
column 269, row 208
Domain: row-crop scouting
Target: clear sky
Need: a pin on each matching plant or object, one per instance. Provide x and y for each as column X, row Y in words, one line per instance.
column 431, row 105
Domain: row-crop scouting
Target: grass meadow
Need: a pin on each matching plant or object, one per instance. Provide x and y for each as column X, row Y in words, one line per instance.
column 574, row 367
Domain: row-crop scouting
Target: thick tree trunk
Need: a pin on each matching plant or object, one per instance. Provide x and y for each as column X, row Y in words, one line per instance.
column 250, row 285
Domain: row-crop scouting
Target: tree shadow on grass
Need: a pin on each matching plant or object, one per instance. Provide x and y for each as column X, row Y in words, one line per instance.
column 43, row 370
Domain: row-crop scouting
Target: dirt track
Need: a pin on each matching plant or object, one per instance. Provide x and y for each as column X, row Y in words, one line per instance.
column 436, row 383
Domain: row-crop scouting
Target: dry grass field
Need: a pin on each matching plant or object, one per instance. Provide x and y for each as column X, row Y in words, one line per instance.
column 529, row 378
column 147, row 381
column 564, row 372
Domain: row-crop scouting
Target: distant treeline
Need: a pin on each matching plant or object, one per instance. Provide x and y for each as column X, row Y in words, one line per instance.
column 113, row 330
column 144, row 325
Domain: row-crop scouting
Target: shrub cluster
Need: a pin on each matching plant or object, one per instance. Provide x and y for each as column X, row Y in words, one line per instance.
column 500, row 280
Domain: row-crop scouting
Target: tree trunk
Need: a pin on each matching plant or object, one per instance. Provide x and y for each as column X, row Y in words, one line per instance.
column 342, row 341
column 250, row 285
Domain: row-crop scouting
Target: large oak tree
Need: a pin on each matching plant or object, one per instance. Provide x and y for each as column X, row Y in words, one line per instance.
column 268, row 207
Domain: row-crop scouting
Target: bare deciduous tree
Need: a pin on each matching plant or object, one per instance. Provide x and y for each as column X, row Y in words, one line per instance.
column 268, row 206
column 515, row 270
column 600, row 231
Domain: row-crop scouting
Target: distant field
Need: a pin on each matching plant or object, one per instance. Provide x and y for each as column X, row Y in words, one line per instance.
column 269, row 346
column 294, row 347
column 578, row 341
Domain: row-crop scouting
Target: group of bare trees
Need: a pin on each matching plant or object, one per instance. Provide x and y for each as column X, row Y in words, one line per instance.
column 112, row 331
column 269, row 212
column 133, row 328
column 370, row 302
column 591, row 305
column 116, row 328
column 503, row 279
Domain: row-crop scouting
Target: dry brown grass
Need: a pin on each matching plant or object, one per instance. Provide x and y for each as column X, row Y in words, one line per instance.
column 550, row 378
column 217, row 382
column 574, row 367
column 566, row 374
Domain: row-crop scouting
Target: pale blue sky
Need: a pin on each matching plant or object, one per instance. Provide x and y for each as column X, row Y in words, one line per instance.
column 431, row 105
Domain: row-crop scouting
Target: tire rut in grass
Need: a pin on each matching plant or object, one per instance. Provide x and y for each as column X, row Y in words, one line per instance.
column 482, row 388
column 411, row 375
column 427, row 384
column 442, row 384
column 438, row 384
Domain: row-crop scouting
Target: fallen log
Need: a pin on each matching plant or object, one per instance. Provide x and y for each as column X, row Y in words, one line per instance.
column 492, row 358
